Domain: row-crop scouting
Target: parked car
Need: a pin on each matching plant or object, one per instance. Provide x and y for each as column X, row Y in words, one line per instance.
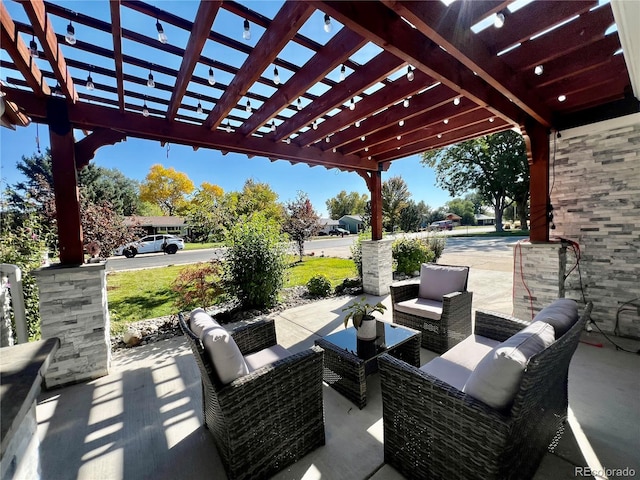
column 152, row 244
column 441, row 225
column 338, row 231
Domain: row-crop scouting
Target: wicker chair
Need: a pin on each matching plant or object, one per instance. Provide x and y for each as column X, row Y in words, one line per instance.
column 433, row 430
column 266, row 420
column 438, row 335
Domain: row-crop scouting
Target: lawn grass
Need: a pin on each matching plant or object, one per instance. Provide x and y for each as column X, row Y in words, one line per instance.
column 140, row 294
column 200, row 246
column 506, row 233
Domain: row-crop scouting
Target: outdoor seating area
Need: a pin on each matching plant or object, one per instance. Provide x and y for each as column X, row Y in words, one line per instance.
column 145, row 419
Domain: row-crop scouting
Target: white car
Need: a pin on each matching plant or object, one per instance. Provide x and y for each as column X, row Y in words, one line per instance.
column 152, row 244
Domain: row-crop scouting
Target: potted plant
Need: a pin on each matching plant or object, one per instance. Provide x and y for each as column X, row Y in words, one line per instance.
column 360, row 313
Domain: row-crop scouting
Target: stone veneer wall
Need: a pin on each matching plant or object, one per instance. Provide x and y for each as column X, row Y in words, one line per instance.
column 73, row 307
column 595, row 180
column 377, row 266
column 21, row 459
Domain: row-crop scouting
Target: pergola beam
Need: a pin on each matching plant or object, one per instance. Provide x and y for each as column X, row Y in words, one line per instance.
column 116, row 33
column 37, row 14
column 286, row 23
column 18, row 50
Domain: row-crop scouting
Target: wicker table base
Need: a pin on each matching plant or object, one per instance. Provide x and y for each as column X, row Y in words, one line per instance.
column 346, row 368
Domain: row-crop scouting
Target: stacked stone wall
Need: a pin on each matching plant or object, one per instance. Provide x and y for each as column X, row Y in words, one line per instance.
column 377, row 266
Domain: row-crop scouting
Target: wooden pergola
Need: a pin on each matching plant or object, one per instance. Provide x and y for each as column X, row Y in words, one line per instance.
column 430, row 77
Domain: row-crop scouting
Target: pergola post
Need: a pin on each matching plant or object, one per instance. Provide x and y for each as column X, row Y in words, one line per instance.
column 536, row 137
column 65, row 184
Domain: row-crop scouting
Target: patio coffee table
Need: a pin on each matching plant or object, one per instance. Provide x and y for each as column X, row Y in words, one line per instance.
column 348, row 360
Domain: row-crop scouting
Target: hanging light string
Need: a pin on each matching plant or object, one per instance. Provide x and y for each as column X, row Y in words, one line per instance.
column 38, row 138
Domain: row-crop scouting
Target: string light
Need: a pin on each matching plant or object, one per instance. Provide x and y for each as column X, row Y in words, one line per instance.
column 538, row 70
column 456, row 101
column 439, row 135
column 288, row 140
column 150, row 82
column 327, row 23
column 273, row 125
column 33, row 47
column 90, row 86
column 352, row 105
column 161, row 35
column 343, row 73
column 334, row 150
column 70, row 37
column 246, row 34
column 327, row 139
column 445, row 121
column 314, row 125
column 491, row 120
column 276, row 76
column 410, row 74
column 212, row 78
column 228, row 127
column 499, row 20
column 363, row 138
column 145, row 110
column 401, row 123
column 357, row 124
column 199, row 109
column 398, row 137
column 366, row 149
column 562, row 98
column 299, row 104
column 405, row 104
column 248, row 108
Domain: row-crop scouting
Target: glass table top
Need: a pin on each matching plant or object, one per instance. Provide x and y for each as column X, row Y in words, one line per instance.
column 387, row 336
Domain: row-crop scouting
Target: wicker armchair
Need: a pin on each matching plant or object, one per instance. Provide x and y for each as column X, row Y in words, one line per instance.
column 453, row 324
column 266, row 420
column 433, row 430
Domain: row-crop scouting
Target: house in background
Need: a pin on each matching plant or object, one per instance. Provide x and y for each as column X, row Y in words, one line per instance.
column 158, row 225
column 456, row 219
column 483, row 219
column 327, row 224
column 352, row 223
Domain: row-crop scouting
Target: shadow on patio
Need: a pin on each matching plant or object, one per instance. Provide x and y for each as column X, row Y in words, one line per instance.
column 144, row 420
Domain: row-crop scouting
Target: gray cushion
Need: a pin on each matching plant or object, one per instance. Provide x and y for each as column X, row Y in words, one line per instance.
column 562, row 314
column 497, row 377
column 200, row 321
column 266, row 356
column 438, row 280
column 224, row 354
column 421, row 307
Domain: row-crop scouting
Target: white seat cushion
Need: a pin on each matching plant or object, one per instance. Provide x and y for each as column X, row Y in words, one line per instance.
column 421, row 307
column 266, row 356
column 199, row 321
column 497, row 377
column 224, row 354
column 561, row 315
column 455, row 366
column 438, row 280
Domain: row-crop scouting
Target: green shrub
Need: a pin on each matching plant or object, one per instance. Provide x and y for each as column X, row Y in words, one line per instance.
column 356, row 250
column 436, row 244
column 256, row 262
column 319, row 286
column 198, row 285
column 410, row 253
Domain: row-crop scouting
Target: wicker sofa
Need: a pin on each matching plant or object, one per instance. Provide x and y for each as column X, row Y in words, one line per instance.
column 437, row 304
column 269, row 417
column 435, row 428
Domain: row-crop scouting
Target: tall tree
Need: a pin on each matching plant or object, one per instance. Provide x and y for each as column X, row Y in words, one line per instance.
column 206, row 213
column 464, row 209
column 345, row 203
column 493, row 165
column 395, row 197
column 255, row 197
column 301, row 221
column 166, row 187
column 410, row 217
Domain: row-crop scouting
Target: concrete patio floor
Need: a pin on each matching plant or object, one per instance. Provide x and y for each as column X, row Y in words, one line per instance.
column 144, row 420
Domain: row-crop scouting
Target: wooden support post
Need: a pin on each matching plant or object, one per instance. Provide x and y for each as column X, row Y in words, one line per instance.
column 537, row 140
column 374, row 184
column 65, row 184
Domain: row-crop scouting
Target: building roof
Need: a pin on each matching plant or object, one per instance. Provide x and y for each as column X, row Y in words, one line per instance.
column 163, row 221
column 354, row 218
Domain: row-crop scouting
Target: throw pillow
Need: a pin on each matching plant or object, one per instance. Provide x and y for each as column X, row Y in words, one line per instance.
column 497, row 377
column 224, row 354
column 438, row 280
column 561, row 314
column 200, row 321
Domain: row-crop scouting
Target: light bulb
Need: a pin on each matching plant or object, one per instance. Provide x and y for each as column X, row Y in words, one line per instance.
column 499, row 20
column 369, row 157
column 248, row 108
column 33, row 47
column 492, row 119
column 405, row 104
column 150, row 82
column 562, row 98
column 276, row 76
column 299, row 104
column 246, row 34
column 334, row 150
column 327, row 139
column 199, row 109
column 456, row 101
column 288, row 140
column 410, row 74
column 401, row 123
column 343, row 73
column 538, row 70
column 439, row 135
column 352, row 105
column 161, row 35
column 228, row 127
column 327, row 23
column 446, row 120
column 357, row 124
column 273, row 126
column 70, row 37
column 363, row 138
column 145, row 110
column 398, row 137
column 314, row 125
column 90, row 86
column 366, row 149
column 212, row 78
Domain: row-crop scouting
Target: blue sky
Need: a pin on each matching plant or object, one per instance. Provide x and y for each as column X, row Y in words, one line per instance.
column 134, row 157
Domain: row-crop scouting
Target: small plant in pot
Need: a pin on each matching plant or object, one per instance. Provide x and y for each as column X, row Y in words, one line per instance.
column 360, row 313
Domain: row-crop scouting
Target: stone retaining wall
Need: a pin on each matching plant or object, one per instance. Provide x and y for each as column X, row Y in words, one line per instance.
column 377, row 266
